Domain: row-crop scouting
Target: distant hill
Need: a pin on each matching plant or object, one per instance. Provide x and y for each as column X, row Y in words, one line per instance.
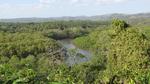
column 134, row 18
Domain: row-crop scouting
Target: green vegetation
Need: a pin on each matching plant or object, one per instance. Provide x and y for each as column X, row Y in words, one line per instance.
column 54, row 29
column 26, row 56
column 24, row 44
column 124, row 51
column 30, row 54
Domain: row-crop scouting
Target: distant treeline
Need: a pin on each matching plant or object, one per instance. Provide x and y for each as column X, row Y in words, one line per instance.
column 45, row 26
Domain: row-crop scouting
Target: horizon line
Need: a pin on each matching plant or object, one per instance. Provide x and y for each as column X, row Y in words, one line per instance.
column 53, row 17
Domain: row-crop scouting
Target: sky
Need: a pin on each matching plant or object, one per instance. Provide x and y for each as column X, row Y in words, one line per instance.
column 59, row 8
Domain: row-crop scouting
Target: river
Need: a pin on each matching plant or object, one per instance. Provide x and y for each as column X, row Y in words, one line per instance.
column 74, row 54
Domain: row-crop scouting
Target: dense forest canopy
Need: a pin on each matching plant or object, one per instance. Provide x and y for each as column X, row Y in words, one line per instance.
column 31, row 54
column 44, row 26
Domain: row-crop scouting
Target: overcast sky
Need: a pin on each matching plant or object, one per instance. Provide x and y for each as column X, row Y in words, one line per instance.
column 58, row 8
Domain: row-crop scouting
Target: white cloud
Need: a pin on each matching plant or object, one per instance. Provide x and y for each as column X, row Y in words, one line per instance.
column 43, row 8
column 46, row 1
column 74, row 1
column 110, row 1
column 82, row 1
column 22, row 10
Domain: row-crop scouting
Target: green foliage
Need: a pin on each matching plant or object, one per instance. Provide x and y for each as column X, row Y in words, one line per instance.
column 28, row 56
column 145, row 30
column 128, row 54
column 119, row 25
column 83, row 42
column 67, row 33
column 24, row 44
column 122, row 51
column 48, row 26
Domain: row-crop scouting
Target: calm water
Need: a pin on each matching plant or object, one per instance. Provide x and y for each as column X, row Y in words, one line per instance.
column 74, row 54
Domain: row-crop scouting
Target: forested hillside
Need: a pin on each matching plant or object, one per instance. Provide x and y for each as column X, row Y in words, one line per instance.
column 106, row 17
column 31, row 53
